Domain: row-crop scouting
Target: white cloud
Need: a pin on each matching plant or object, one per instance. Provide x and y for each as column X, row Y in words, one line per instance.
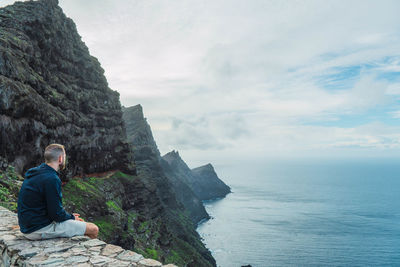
column 235, row 78
column 395, row 114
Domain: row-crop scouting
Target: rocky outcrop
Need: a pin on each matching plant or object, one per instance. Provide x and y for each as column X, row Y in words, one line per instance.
column 209, row 185
column 202, row 180
column 16, row 250
column 139, row 133
column 150, row 163
column 135, row 212
column 129, row 213
column 53, row 91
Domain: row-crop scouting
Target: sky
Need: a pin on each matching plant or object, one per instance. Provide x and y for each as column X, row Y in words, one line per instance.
column 231, row 81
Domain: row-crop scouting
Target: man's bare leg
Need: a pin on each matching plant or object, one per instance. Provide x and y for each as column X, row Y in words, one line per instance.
column 91, row 230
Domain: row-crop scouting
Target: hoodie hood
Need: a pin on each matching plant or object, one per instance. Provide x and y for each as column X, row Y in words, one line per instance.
column 42, row 168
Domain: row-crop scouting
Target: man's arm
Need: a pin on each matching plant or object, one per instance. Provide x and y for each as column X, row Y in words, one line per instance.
column 56, row 212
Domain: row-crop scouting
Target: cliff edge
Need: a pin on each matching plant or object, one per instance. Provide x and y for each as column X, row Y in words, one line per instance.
column 16, row 250
column 203, row 180
column 150, row 163
column 53, row 91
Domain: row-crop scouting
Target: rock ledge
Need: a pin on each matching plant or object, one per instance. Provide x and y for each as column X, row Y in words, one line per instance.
column 16, row 250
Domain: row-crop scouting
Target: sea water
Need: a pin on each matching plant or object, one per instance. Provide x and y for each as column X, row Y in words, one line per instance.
column 307, row 213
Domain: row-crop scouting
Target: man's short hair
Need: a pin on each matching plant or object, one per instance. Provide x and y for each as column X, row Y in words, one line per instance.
column 52, row 152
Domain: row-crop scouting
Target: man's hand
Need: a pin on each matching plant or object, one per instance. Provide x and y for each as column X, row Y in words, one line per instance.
column 77, row 217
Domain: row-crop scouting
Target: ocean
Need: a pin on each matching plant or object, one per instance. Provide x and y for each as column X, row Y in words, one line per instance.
column 307, row 213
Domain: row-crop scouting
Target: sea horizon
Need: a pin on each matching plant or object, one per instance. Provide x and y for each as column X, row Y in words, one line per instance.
column 322, row 213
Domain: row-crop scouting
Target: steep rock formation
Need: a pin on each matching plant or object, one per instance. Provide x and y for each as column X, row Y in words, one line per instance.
column 131, row 212
column 210, row 185
column 202, row 180
column 138, row 130
column 150, row 163
column 53, row 91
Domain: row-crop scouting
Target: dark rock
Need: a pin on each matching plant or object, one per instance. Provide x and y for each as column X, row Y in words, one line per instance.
column 149, row 162
column 209, row 185
column 202, row 180
column 53, row 91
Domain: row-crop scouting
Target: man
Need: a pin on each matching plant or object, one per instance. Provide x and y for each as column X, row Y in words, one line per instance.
column 40, row 211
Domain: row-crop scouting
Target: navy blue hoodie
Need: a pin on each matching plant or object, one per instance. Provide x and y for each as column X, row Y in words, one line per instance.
column 40, row 199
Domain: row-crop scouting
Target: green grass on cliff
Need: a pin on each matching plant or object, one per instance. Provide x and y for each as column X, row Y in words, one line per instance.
column 10, row 183
column 99, row 199
column 112, row 205
column 106, row 228
column 123, row 219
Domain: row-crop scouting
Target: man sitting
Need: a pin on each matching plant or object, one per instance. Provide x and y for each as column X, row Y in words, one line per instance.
column 40, row 211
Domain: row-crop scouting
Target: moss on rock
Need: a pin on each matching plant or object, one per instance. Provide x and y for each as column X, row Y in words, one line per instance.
column 10, row 183
column 128, row 214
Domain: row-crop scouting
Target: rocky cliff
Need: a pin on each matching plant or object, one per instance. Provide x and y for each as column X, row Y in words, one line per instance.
column 210, row 186
column 138, row 132
column 202, row 180
column 138, row 212
column 149, row 162
column 53, row 90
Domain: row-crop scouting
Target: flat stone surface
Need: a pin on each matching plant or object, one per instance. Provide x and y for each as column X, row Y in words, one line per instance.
column 123, row 263
column 52, row 261
column 76, row 251
column 37, row 258
column 95, row 249
column 80, row 238
column 29, row 252
column 93, row 243
column 60, row 248
column 130, row 256
column 99, row 260
column 19, row 246
column 7, row 237
column 111, row 250
column 149, row 263
column 61, row 255
column 77, row 259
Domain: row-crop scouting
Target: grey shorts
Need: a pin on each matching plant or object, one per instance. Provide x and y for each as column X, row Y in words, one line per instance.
column 66, row 228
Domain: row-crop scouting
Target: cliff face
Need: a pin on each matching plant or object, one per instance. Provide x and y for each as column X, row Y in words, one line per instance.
column 131, row 212
column 202, row 180
column 210, row 185
column 138, row 132
column 53, row 91
column 150, row 163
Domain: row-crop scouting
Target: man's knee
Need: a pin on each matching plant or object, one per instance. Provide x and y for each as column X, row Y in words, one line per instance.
column 95, row 229
column 92, row 229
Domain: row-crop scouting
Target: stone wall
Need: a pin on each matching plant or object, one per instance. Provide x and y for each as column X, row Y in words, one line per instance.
column 16, row 250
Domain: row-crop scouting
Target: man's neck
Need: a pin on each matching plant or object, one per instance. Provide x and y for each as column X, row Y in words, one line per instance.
column 53, row 165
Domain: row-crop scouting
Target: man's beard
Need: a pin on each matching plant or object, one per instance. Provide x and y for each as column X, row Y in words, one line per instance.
column 62, row 165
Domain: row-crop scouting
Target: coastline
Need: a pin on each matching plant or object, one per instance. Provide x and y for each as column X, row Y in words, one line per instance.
column 208, row 201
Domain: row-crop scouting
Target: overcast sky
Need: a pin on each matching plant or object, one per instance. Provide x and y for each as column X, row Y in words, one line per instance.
column 222, row 81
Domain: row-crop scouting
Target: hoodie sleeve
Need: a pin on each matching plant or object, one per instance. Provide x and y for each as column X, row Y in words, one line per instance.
column 53, row 195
